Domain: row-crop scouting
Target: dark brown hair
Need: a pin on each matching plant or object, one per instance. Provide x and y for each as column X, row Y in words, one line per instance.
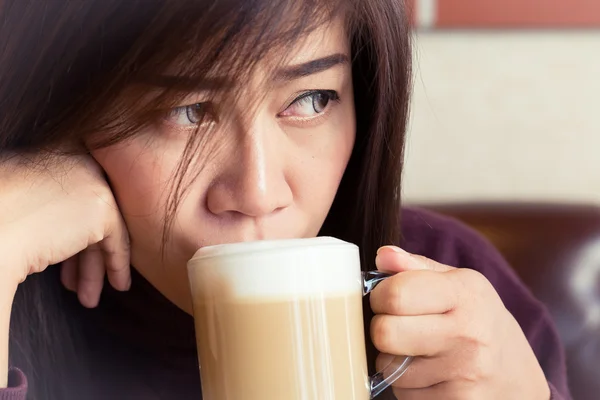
column 73, row 72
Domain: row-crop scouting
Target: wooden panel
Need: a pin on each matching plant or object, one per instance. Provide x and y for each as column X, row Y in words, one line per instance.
column 510, row 13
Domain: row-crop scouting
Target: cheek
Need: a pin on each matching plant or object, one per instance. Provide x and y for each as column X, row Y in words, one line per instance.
column 140, row 179
column 339, row 148
column 331, row 150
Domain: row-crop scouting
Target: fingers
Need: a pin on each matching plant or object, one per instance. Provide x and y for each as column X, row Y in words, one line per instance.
column 445, row 391
column 425, row 335
column 415, row 293
column 115, row 248
column 421, row 373
column 90, row 276
column 395, row 259
column 435, row 392
column 68, row 273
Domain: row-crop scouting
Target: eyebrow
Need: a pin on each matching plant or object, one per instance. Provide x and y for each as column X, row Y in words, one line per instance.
column 285, row 74
column 311, row 67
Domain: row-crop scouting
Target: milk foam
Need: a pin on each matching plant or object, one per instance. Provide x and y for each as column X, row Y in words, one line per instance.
column 279, row 269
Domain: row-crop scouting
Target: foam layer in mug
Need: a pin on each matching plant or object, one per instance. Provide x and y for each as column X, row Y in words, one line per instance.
column 279, row 269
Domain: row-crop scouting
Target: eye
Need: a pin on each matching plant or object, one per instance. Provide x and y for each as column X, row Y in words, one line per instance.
column 191, row 115
column 310, row 104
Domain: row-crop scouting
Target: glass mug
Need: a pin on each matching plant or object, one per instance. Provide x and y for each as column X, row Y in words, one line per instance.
column 283, row 319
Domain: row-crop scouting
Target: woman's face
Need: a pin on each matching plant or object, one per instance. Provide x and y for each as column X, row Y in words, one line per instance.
column 273, row 172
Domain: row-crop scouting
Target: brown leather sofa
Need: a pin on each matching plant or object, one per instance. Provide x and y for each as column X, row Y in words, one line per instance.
column 555, row 248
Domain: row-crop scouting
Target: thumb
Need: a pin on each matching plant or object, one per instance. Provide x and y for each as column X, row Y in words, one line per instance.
column 394, row 259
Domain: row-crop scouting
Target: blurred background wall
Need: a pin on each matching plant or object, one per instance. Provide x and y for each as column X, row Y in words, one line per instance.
column 506, row 103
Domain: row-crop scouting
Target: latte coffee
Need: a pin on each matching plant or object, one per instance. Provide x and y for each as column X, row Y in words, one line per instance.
column 280, row 320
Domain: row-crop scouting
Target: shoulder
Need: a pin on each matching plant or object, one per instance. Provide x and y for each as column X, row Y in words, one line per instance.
column 444, row 239
column 449, row 241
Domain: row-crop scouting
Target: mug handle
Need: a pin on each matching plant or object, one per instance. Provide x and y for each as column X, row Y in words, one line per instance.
column 378, row 382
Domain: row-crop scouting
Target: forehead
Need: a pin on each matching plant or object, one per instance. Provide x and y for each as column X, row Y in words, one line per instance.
column 329, row 38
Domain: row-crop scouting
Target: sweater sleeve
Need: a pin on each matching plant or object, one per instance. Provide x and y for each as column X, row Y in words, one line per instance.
column 450, row 242
column 17, row 386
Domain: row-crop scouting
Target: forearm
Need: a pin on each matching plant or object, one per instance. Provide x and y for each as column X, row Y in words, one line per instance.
column 7, row 294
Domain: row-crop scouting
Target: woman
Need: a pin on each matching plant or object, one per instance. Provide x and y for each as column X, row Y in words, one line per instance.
column 135, row 132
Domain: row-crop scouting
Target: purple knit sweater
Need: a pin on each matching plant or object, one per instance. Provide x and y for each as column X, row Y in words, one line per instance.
column 142, row 355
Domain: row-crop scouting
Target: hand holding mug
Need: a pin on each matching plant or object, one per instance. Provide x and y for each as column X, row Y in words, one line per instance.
column 466, row 344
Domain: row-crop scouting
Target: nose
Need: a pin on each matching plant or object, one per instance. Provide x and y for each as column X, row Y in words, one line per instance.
column 253, row 176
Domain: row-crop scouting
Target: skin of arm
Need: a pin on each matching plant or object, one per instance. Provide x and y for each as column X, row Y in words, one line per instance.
column 7, row 294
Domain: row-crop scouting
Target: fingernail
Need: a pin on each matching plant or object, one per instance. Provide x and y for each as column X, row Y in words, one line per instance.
column 394, row 249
